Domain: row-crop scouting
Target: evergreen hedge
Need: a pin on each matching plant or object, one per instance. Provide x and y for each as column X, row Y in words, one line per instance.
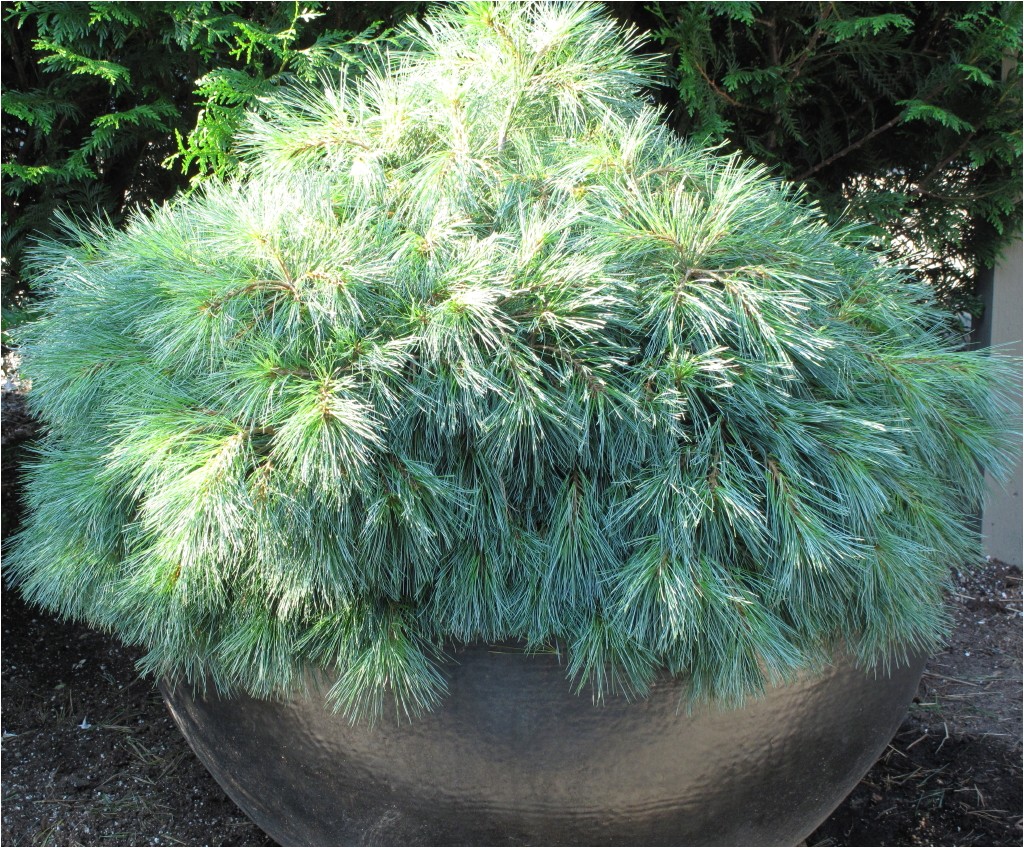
column 477, row 349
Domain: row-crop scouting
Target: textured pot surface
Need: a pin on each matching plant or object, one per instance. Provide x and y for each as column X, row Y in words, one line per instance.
column 513, row 757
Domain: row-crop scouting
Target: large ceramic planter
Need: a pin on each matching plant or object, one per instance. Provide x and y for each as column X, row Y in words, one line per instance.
column 513, row 757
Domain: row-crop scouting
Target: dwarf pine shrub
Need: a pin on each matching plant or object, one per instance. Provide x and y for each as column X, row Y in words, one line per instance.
column 477, row 349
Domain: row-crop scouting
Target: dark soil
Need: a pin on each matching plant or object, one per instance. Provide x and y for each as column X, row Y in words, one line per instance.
column 91, row 756
column 952, row 774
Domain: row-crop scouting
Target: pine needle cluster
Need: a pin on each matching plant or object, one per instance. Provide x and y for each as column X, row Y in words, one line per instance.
column 477, row 349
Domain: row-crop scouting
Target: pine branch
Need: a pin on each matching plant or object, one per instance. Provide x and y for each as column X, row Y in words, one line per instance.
column 590, row 385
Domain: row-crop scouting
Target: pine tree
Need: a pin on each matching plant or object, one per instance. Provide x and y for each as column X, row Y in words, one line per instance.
column 478, row 349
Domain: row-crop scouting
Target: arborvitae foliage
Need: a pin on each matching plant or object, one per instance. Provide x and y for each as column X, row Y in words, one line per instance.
column 480, row 350
column 907, row 115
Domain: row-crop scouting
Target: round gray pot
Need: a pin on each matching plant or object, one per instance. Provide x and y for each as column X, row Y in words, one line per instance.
column 513, row 757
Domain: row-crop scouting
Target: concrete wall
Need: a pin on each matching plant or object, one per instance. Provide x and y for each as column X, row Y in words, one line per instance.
column 1002, row 525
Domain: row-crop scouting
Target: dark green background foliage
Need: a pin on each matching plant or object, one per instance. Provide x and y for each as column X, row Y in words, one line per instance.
column 898, row 111
column 112, row 105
